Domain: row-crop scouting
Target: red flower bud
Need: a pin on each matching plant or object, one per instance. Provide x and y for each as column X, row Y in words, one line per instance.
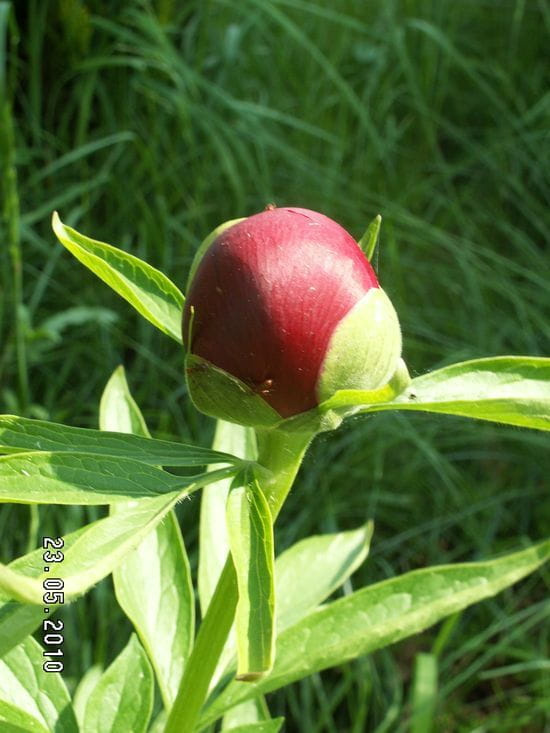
column 268, row 296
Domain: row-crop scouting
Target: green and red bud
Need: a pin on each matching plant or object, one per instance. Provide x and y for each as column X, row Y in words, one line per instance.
column 283, row 310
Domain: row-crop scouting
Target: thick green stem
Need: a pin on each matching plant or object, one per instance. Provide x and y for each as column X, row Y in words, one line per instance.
column 281, row 453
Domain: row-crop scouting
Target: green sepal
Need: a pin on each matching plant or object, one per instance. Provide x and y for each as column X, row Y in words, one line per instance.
column 219, row 394
column 312, row 421
column 369, row 240
column 364, row 350
column 247, row 408
column 346, row 402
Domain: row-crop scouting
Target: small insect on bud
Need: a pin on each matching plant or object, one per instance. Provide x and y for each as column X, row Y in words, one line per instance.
column 283, row 310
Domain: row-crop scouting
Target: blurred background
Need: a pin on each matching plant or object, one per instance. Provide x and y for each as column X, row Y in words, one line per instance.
column 147, row 124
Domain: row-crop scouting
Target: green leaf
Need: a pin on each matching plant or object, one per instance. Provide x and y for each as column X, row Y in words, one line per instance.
column 84, row 478
column 20, row 434
column 424, row 693
column 250, row 531
column 507, row 389
column 153, row 583
column 93, row 553
column 159, row 724
column 119, row 412
column 41, row 695
column 214, row 543
column 98, row 549
column 264, row 726
column 309, row 571
column 369, row 240
column 148, row 290
column 83, row 691
column 17, row 621
column 379, row 615
column 122, row 700
column 250, row 711
column 15, row 720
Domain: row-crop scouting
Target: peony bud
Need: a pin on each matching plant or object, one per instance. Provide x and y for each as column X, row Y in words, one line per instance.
column 283, row 310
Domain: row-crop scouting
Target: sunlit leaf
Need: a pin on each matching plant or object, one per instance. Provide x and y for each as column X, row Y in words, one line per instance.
column 98, row 549
column 39, row 695
column 84, row 478
column 153, row 583
column 84, row 690
column 424, row 693
column 309, row 571
column 147, row 289
column 506, row 389
column 250, row 711
column 263, row 726
column 15, row 720
column 378, row 615
column 122, row 700
column 20, row 434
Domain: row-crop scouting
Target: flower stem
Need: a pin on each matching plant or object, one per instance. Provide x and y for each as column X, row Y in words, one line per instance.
column 281, row 453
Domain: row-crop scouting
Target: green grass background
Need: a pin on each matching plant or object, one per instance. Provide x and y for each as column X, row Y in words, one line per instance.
column 146, row 124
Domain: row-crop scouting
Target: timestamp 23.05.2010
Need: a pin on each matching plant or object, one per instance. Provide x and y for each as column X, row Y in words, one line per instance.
column 53, row 595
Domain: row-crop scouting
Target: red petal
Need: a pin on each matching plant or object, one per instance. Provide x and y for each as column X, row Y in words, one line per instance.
column 268, row 295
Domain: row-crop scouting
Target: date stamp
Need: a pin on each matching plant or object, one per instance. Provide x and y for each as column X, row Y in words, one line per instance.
column 53, row 595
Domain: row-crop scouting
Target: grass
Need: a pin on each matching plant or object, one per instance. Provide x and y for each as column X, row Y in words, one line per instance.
column 147, row 124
